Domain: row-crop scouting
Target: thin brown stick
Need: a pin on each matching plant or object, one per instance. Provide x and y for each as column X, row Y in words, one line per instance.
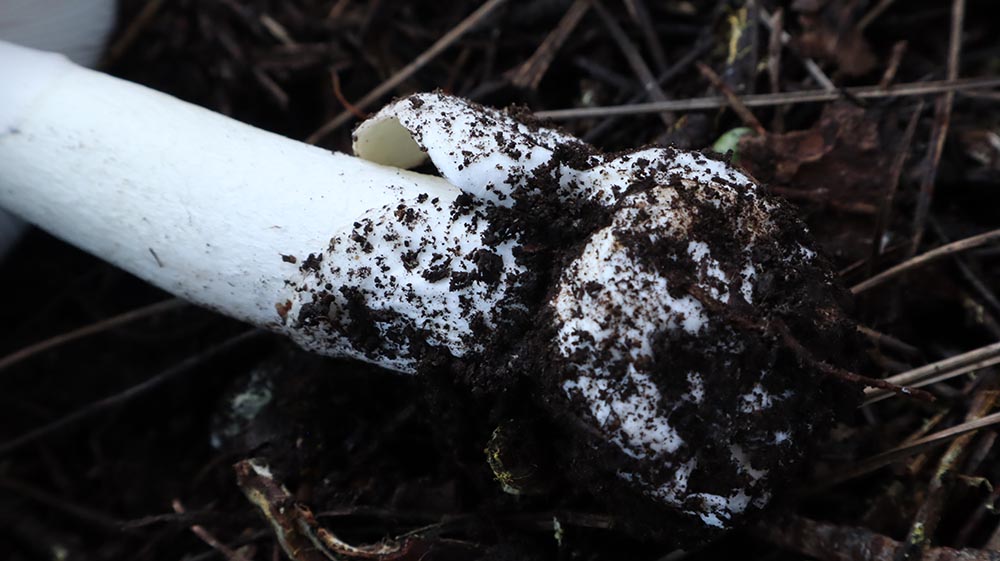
column 207, row 537
column 828, row 369
column 339, row 94
column 908, row 449
column 925, row 258
column 135, row 28
column 128, row 394
column 777, row 26
column 295, row 526
column 944, row 367
column 970, row 526
column 640, row 15
column 812, row 68
column 944, row 376
column 410, row 69
column 898, row 50
column 278, row 31
column 276, row 92
column 733, row 100
column 88, row 330
column 888, row 341
column 892, row 185
column 928, row 516
column 823, row 197
column 635, row 60
column 699, row 49
column 981, row 286
column 856, row 266
column 873, row 13
column 337, row 9
column 942, row 121
column 767, row 100
column 530, row 73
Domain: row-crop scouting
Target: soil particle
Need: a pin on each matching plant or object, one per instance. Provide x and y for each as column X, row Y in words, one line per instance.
column 311, row 263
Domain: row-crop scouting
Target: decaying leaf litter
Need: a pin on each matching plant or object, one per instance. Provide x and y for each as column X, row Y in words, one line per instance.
column 370, row 456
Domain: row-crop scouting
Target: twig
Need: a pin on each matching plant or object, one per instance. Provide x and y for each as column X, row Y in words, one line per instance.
column 977, row 517
column 700, row 48
column 295, row 526
column 767, row 100
column 278, row 507
column 735, row 104
column 898, row 50
column 822, row 197
column 889, row 341
column 135, row 28
column 811, row 67
column 873, row 13
column 337, row 10
column 928, row 516
column 777, row 26
column 778, row 328
column 892, row 185
column 942, row 121
column 404, row 74
column 339, row 94
column 925, row 258
column 831, row 542
column 635, row 60
column 88, row 330
column 977, row 283
column 529, row 73
column 277, row 30
column 93, row 408
column 93, row 518
column 640, row 15
column 978, row 358
column 276, row 92
column 604, row 74
column 944, row 376
column 792, row 343
column 906, row 449
column 208, row 538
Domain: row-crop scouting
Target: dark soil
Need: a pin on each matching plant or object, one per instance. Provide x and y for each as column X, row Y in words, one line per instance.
column 376, row 455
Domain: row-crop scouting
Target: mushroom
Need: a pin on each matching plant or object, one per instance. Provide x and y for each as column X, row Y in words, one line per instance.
column 76, row 28
column 642, row 293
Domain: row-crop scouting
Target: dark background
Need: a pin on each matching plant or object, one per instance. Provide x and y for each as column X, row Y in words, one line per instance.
column 379, row 455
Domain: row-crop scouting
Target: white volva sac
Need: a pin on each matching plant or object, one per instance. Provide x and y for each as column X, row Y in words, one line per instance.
column 356, row 257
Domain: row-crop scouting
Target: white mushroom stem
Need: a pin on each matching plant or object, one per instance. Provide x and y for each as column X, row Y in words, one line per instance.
column 628, row 285
column 194, row 202
column 76, row 28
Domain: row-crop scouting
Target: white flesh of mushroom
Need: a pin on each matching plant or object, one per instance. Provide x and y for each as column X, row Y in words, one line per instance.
column 76, row 28
column 297, row 239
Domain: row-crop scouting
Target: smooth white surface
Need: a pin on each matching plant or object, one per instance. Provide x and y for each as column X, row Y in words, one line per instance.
column 76, row 28
column 192, row 201
column 481, row 150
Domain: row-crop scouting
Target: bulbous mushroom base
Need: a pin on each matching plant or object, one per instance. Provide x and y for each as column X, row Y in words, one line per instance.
column 666, row 313
column 677, row 340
